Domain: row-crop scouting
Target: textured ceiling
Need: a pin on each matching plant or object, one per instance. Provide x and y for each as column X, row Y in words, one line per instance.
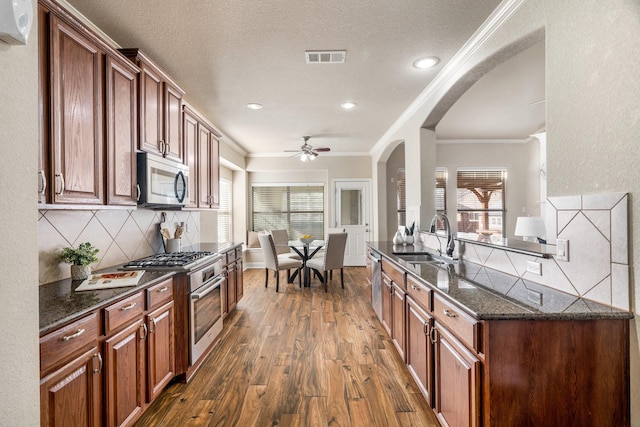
column 227, row 53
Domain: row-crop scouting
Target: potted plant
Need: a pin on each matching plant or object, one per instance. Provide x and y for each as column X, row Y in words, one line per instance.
column 80, row 259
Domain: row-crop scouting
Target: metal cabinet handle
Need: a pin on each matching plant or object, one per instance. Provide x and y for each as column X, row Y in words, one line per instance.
column 146, row 331
column 162, row 146
column 128, row 307
column 425, row 328
column 72, row 336
column 433, row 335
column 153, row 322
column 43, row 178
column 415, row 288
column 164, row 289
column 100, row 363
column 138, row 192
column 167, row 148
column 449, row 313
column 61, row 192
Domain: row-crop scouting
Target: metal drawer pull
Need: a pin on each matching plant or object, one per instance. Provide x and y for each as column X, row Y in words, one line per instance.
column 61, row 192
column 146, row 331
column 44, row 182
column 99, row 357
column 165, row 289
column 72, row 336
column 137, row 192
column 449, row 313
column 415, row 288
column 152, row 330
column 432, row 335
column 128, row 307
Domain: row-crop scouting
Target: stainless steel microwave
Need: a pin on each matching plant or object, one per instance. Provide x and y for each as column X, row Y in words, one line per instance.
column 163, row 183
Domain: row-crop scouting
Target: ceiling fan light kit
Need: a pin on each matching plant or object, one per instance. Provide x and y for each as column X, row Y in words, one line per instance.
column 307, row 152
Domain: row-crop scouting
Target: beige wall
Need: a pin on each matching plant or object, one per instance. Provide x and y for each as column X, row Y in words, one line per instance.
column 19, row 360
column 396, row 160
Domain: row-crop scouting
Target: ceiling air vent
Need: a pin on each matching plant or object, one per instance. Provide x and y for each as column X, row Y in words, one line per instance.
column 325, row 56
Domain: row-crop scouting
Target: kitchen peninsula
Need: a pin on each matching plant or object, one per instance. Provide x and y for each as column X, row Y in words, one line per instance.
column 484, row 351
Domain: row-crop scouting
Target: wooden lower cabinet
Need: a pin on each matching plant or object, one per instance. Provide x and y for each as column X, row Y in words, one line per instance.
column 239, row 279
column 387, row 308
column 124, row 361
column 457, row 381
column 419, row 348
column 160, row 354
column 398, row 325
column 72, row 395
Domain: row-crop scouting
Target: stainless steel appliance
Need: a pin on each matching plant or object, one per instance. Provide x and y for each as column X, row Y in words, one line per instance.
column 162, row 182
column 202, row 310
column 376, row 283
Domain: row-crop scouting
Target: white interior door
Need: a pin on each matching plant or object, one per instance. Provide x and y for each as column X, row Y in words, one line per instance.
column 352, row 215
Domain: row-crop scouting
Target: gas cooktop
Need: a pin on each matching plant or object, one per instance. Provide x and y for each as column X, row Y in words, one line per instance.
column 175, row 261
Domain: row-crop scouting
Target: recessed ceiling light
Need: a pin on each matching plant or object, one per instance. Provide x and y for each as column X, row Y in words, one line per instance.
column 348, row 105
column 254, row 106
column 426, row 62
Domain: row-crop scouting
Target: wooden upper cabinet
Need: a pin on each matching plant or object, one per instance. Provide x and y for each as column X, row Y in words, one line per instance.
column 160, row 109
column 190, row 139
column 121, row 109
column 76, row 104
column 204, row 161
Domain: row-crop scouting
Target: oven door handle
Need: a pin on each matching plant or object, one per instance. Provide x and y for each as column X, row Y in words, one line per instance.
column 209, row 288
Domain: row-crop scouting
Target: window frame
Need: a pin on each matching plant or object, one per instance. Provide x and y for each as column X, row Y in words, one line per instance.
column 485, row 213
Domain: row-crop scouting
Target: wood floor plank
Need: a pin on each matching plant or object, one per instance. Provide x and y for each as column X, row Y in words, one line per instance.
column 299, row 357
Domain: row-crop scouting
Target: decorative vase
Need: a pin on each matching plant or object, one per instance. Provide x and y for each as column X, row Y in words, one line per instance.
column 408, row 240
column 397, row 239
column 80, row 272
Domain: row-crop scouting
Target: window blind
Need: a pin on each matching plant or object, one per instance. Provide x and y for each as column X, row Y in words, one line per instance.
column 297, row 208
column 401, row 182
column 441, row 190
column 224, row 212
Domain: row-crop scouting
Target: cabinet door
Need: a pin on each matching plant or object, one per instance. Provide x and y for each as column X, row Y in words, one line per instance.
column 419, row 348
column 214, row 171
column 398, row 328
column 150, row 110
column 204, row 149
column 190, row 139
column 72, row 396
column 387, row 289
column 124, row 363
column 161, row 358
column 76, row 104
column 173, row 123
column 43, row 103
column 457, row 381
column 239, row 280
column 231, row 287
column 122, row 126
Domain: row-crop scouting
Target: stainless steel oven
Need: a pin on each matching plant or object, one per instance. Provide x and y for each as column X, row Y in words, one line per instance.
column 205, row 308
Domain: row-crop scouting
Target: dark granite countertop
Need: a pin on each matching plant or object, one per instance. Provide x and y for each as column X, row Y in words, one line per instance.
column 492, row 295
column 60, row 303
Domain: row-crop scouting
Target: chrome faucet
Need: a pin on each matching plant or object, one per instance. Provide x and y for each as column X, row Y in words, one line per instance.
column 447, row 225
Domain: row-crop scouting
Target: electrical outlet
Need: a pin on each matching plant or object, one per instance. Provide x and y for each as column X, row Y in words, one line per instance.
column 534, row 267
column 562, row 250
column 534, row 296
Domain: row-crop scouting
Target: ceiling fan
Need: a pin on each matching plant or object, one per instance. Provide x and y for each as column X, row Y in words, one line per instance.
column 307, row 152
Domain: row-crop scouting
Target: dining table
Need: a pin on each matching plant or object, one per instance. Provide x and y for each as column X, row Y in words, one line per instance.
column 306, row 251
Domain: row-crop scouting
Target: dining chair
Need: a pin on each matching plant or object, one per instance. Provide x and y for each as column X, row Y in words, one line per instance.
column 273, row 262
column 333, row 257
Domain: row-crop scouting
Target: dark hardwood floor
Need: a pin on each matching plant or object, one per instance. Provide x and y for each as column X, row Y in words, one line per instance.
column 300, row 357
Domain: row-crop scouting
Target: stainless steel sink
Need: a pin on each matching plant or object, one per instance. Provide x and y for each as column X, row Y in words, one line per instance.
column 425, row 258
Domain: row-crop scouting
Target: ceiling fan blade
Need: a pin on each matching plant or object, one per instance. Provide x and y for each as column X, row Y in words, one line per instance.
column 322, row 149
column 291, row 151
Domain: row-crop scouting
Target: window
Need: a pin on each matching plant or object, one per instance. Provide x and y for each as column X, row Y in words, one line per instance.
column 224, row 212
column 480, row 198
column 441, row 191
column 297, row 208
column 401, row 196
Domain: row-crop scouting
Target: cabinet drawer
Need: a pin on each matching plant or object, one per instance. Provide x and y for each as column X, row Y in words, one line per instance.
column 458, row 322
column 238, row 253
column 419, row 292
column 58, row 345
column 159, row 294
column 394, row 272
column 122, row 312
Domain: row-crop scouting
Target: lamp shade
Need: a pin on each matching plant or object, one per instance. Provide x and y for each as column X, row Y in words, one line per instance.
column 530, row 226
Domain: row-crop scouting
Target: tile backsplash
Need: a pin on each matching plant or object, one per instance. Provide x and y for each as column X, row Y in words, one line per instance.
column 598, row 267
column 120, row 235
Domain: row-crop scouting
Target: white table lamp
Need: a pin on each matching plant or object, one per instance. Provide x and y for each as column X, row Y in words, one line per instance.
column 530, row 228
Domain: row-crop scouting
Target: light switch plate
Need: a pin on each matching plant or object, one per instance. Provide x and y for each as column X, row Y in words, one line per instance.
column 534, row 267
column 562, row 250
